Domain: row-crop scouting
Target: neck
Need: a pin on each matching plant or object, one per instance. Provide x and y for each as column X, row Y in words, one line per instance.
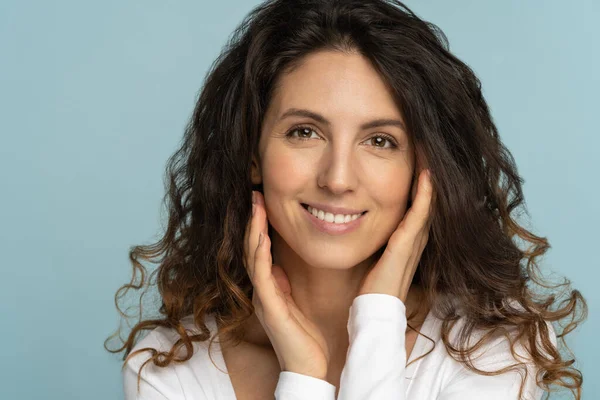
column 324, row 295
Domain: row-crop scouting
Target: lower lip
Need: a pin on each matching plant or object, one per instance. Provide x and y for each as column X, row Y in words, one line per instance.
column 331, row 228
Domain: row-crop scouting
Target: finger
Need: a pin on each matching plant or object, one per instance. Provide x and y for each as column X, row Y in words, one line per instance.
column 247, row 236
column 264, row 284
column 414, row 184
column 424, row 196
column 418, row 214
column 262, row 255
column 256, row 226
column 419, row 167
column 418, row 248
column 273, row 295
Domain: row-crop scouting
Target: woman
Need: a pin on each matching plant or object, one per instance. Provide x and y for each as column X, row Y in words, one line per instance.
column 381, row 201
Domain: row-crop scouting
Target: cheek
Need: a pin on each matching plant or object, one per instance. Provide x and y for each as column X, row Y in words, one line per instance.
column 392, row 193
column 390, row 185
column 285, row 172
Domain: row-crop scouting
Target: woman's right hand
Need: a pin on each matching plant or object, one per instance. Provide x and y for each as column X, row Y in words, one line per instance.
column 298, row 343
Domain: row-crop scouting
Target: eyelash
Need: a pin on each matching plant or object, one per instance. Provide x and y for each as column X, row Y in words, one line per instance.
column 381, row 135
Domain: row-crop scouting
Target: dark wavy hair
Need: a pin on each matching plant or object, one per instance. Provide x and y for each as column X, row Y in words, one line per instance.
column 473, row 255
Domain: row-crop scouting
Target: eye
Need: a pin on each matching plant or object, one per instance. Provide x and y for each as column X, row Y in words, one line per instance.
column 383, row 136
column 302, row 129
column 307, row 130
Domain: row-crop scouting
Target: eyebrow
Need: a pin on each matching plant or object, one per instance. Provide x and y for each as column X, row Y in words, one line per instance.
column 318, row 117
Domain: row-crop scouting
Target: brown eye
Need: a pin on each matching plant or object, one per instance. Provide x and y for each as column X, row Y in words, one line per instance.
column 379, row 141
column 304, row 132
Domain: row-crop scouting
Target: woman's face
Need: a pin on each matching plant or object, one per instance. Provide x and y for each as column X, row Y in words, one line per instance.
column 336, row 163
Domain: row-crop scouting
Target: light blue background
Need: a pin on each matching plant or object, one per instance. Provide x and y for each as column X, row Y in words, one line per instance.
column 94, row 97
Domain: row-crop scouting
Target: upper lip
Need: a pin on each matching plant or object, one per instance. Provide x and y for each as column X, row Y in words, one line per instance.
column 335, row 210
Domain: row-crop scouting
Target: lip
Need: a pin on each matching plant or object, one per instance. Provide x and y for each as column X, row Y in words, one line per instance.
column 332, row 228
column 335, row 210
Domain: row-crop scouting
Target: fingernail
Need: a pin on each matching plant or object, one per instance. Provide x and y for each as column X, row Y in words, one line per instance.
column 253, row 209
column 253, row 197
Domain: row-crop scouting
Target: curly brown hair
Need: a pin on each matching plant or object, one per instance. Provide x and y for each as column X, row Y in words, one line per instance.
column 472, row 256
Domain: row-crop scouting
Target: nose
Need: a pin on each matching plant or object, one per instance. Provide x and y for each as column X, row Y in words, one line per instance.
column 337, row 168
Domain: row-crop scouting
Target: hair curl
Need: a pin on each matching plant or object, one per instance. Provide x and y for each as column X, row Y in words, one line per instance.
column 472, row 255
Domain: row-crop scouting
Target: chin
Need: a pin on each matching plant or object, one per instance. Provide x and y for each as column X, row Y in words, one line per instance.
column 332, row 260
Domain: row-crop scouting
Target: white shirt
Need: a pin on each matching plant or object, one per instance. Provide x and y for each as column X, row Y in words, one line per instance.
column 375, row 364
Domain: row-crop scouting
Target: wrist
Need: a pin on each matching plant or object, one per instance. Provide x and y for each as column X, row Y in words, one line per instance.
column 313, row 373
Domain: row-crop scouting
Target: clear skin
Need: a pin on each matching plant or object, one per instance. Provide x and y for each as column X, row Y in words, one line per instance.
column 303, row 292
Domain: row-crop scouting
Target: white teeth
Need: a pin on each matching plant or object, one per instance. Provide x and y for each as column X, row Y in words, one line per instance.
column 329, row 217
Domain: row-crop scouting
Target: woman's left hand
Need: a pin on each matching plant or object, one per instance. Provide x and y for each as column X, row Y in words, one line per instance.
column 394, row 271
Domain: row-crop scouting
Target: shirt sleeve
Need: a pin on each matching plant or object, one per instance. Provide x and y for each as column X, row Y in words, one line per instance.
column 294, row 386
column 376, row 358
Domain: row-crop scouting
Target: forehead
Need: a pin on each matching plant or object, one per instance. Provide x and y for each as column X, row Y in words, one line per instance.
column 344, row 87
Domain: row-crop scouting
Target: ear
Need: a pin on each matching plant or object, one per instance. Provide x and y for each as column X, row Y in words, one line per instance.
column 255, row 172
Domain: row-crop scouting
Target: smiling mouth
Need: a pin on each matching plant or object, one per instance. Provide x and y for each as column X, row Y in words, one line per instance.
column 306, row 208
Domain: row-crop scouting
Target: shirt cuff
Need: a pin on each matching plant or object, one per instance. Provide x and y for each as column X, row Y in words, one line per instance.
column 376, row 306
column 294, row 386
